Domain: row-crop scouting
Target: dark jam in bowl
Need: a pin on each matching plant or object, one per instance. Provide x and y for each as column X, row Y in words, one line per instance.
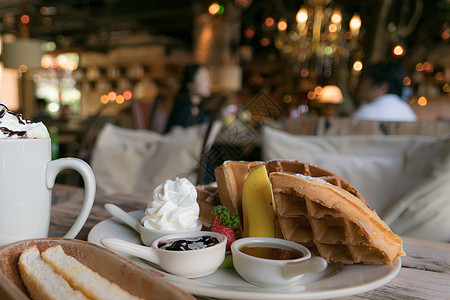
column 184, row 244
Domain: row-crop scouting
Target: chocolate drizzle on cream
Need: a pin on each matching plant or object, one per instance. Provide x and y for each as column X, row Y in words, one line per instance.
column 20, row 134
column 9, row 133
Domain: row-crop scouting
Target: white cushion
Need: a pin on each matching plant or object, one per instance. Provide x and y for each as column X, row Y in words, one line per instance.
column 134, row 162
column 391, row 172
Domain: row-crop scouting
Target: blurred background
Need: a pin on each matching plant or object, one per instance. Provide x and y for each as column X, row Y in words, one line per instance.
column 66, row 61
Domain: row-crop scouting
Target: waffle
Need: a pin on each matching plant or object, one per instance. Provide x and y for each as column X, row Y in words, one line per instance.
column 207, row 198
column 230, row 177
column 331, row 221
column 297, row 167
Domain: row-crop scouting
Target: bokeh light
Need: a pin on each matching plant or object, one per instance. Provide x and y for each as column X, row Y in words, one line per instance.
column 282, row 25
column 332, row 28
column 336, row 17
column 287, row 99
column 302, row 15
column 269, row 22
column 112, row 96
column 104, row 99
column 311, row 95
column 357, row 66
column 398, row 50
column 120, row 99
column 214, row 8
column 355, row 23
column 419, row 67
column 25, row 19
column 407, row 81
column 422, row 101
column 127, row 94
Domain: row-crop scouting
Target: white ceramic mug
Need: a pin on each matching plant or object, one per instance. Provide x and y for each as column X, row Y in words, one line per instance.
column 27, row 175
column 272, row 272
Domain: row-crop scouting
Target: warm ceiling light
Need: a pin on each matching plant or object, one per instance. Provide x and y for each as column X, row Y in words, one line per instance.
column 120, row 99
column 311, row 95
column 317, row 90
column 282, row 25
column 332, row 28
column 304, row 72
column 336, row 17
column 104, row 99
column 407, row 81
column 127, row 95
column 249, row 33
column 427, row 66
column 422, row 101
column 355, row 23
column 214, row 8
column 265, row 42
column 23, row 68
column 419, row 67
column 398, row 50
column 269, row 22
column 357, row 66
column 302, row 15
column 330, row 94
column 25, row 19
column 112, row 96
column 46, row 61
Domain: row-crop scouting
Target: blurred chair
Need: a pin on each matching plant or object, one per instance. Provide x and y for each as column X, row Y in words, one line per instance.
column 211, row 132
column 145, row 115
column 94, row 124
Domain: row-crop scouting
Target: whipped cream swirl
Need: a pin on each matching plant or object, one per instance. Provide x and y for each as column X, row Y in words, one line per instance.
column 174, row 206
column 14, row 126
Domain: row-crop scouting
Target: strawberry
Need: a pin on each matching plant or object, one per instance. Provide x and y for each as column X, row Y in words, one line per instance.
column 225, row 223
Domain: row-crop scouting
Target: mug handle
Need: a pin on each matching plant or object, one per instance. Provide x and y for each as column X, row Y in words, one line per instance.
column 56, row 166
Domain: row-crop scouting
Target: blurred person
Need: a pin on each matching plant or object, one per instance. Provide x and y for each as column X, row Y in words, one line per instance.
column 380, row 92
column 195, row 90
column 41, row 110
column 65, row 113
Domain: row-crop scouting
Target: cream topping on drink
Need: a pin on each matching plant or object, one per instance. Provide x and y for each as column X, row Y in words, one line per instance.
column 174, row 206
column 14, row 126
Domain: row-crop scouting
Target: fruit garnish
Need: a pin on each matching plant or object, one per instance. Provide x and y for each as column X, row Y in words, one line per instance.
column 225, row 223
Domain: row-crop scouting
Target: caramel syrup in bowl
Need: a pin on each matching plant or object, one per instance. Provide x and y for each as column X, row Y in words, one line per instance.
column 268, row 251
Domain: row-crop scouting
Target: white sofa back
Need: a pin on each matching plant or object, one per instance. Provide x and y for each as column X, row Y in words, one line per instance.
column 406, row 179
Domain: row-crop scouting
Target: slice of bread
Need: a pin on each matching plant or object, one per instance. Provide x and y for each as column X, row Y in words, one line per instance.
column 82, row 278
column 40, row 279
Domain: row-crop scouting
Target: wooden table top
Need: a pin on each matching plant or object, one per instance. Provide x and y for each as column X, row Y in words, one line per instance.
column 425, row 272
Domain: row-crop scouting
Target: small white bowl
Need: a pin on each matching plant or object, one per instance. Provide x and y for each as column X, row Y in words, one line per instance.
column 270, row 272
column 188, row 264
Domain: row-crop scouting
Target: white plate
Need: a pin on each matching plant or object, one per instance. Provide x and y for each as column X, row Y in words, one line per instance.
column 335, row 281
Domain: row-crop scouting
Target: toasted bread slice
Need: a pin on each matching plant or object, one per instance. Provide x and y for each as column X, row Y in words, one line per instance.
column 82, row 278
column 230, row 177
column 41, row 281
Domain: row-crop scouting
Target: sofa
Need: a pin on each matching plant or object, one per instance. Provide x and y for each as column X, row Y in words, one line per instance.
column 405, row 178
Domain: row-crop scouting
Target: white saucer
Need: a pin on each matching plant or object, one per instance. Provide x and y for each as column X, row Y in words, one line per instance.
column 336, row 281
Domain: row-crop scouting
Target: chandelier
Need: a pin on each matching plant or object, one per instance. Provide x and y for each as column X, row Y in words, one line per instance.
column 317, row 40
